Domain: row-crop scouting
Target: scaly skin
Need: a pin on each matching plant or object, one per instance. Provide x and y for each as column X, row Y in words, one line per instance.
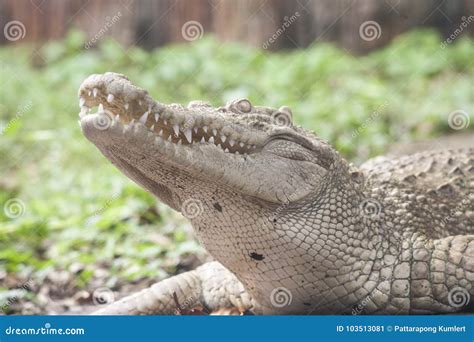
column 294, row 228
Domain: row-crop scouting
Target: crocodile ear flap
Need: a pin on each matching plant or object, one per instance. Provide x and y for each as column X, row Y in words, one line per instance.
column 283, row 116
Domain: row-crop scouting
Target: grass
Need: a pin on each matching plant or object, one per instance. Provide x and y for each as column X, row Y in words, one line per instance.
column 68, row 209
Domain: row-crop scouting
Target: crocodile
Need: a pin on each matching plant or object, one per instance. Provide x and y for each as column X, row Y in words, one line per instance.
column 292, row 227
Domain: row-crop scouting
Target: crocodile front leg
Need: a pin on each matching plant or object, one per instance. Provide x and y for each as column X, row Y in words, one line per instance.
column 210, row 285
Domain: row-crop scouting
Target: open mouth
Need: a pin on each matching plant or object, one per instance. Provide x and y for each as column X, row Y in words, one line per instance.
column 172, row 123
column 154, row 143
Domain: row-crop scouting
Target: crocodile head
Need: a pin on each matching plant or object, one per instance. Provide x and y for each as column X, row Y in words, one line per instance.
column 234, row 171
column 169, row 148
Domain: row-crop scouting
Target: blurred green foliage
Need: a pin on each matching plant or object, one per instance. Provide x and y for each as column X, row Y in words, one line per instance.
column 79, row 209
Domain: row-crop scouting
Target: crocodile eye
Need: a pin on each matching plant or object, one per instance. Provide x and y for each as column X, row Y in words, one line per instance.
column 244, row 106
column 240, row 106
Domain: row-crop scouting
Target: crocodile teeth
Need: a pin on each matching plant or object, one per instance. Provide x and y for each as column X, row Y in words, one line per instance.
column 241, row 144
column 231, row 142
column 89, row 93
column 204, row 128
column 117, row 117
column 126, row 106
column 95, row 91
column 101, row 107
column 157, row 117
column 110, row 98
column 161, row 131
column 223, row 138
column 176, row 129
column 214, row 132
column 211, row 140
column 152, row 127
column 226, row 150
column 189, row 135
column 82, row 102
column 169, row 137
column 203, row 140
column 195, row 130
column 144, row 117
column 132, row 122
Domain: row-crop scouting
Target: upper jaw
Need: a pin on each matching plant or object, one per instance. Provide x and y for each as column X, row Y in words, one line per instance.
column 215, row 146
column 198, row 124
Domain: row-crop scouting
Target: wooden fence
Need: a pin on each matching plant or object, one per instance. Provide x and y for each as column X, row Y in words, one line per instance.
column 273, row 24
